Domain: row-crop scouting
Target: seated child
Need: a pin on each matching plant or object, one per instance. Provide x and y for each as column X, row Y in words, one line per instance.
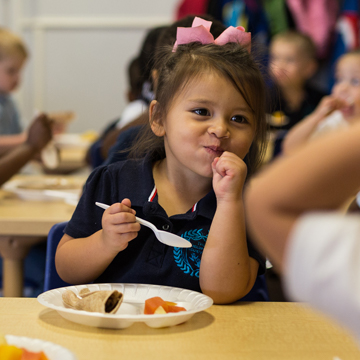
column 13, row 55
column 201, row 150
column 292, row 63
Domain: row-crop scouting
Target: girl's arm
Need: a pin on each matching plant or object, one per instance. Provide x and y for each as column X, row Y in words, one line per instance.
column 82, row 260
column 321, row 176
column 301, row 132
column 227, row 272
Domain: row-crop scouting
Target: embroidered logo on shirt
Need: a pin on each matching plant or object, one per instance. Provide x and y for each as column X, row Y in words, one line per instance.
column 188, row 259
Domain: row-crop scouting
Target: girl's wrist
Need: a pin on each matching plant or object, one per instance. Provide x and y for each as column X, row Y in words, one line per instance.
column 106, row 246
column 229, row 198
column 233, row 204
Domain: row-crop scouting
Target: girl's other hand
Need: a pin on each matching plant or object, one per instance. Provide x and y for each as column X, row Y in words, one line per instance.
column 229, row 174
column 119, row 226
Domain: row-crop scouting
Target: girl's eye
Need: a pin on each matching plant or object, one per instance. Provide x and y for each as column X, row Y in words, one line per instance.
column 202, row 112
column 239, row 119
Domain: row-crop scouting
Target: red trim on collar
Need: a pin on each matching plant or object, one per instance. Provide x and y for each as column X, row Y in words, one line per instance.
column 154, row 192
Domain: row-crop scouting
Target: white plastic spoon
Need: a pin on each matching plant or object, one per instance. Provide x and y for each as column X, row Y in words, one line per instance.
column 165, row 237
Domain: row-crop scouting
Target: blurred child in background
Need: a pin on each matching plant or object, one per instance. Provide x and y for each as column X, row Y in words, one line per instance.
column 18, row 147
column 139, row 95
column 292, row 62
column 13, row 55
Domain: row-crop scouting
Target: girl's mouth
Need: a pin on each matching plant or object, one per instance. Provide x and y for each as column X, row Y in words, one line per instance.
column 214, row 150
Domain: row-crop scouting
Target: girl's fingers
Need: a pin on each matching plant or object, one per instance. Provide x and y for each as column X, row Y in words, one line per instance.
column 122, row 218
column 126, row 202
column 226, row 163
column 127, row 228
column 124, row 206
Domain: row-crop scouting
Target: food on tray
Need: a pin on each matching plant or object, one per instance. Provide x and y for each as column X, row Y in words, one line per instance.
column 103, row 301
column 156, row 305
column 12, row 352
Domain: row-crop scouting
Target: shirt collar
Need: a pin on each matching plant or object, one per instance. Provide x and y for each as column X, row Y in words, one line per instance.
column 148, row 193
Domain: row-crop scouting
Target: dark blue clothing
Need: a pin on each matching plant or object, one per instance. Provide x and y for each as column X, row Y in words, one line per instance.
column 95, row 156
column 292, row 117
column 146, row 260
column 120, row 150
column 310, row 102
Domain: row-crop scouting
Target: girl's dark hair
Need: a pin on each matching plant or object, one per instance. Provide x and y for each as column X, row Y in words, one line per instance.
column 191, row 61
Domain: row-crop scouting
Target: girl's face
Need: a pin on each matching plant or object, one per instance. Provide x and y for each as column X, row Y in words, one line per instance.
column 347, row 84
column 207, row 118
column 10, row 69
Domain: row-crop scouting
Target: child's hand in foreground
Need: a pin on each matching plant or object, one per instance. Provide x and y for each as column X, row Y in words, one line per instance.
column 119, row 226
column 229, row 174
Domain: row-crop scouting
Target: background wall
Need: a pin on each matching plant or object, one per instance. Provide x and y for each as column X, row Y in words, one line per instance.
column 79, row 53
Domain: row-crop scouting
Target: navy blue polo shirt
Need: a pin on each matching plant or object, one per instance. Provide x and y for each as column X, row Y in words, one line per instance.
column 146, row 260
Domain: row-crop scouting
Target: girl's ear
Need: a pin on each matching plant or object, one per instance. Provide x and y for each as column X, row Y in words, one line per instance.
column 156, row 123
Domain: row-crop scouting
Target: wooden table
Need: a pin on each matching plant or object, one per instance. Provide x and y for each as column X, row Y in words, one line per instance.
column 249, row 331
column 23, row 224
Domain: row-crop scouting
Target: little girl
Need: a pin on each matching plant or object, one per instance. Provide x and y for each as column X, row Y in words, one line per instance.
column 208, row 126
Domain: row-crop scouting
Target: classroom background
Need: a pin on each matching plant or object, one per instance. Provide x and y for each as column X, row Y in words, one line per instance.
column 80, row 49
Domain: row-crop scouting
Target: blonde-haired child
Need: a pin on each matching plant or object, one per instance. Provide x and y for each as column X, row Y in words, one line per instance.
column 13, row 54
column 16, row 147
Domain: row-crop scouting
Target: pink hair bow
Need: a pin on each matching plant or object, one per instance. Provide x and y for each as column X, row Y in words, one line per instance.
column 200, row 32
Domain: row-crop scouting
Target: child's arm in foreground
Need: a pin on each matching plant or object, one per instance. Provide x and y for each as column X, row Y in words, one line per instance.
column 320, row 176
column 84, row 259
column 227, row 272
column 301, row 132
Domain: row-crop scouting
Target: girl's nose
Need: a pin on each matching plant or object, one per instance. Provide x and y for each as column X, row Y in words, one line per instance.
column 219, row 128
